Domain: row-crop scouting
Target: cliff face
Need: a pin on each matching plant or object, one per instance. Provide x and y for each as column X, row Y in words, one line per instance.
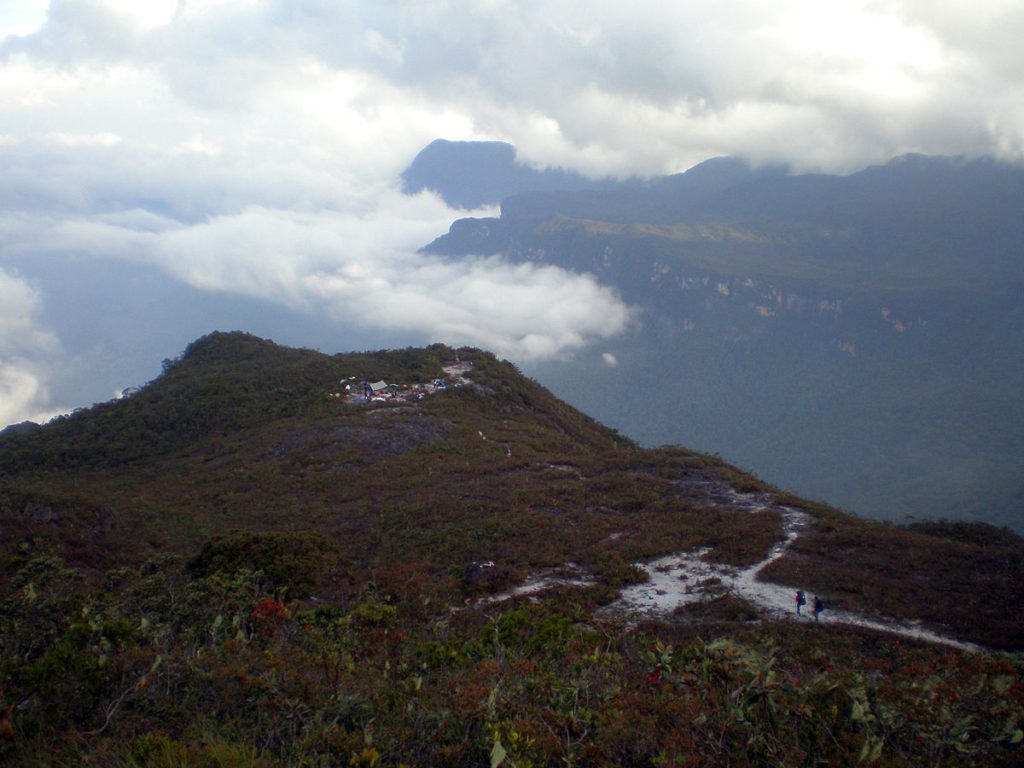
column 855, row 338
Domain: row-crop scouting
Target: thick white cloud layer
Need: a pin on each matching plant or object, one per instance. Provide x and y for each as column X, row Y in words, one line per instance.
column 604, row 86
column 25, row 352
column 359, row 269
column 252, row 146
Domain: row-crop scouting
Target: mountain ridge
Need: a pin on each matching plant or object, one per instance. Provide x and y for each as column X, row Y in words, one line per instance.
column 235, row 400
column 298, row 567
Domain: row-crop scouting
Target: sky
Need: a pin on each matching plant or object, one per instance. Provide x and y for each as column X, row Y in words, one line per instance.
column 172, row 167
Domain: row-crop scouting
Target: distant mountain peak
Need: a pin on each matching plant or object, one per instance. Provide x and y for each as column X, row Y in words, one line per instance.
column 21, row 428
column 473, row 174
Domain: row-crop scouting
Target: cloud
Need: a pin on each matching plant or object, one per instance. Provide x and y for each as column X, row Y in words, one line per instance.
column 361, row 269
column 19, row 302
column 25, row 354
column 21, row 17
column 658, row 86
column 650, row 87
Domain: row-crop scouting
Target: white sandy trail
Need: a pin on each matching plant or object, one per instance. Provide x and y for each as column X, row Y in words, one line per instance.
column 684, row 578
column 688, row 577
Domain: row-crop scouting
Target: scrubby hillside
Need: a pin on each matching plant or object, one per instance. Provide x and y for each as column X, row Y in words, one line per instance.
column 250, row 562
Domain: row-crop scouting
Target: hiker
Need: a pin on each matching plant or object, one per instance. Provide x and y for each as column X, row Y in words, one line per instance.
column 818, row 607
column 801, row 601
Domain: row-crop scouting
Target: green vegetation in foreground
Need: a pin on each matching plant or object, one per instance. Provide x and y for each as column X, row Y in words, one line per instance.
column 232, row 568
column 163, row 667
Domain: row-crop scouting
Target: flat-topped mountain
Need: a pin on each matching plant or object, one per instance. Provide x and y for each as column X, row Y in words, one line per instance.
column 272, row 555
column 472, row 174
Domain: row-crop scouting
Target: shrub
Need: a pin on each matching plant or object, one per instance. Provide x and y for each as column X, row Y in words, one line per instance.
column 292, row 561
